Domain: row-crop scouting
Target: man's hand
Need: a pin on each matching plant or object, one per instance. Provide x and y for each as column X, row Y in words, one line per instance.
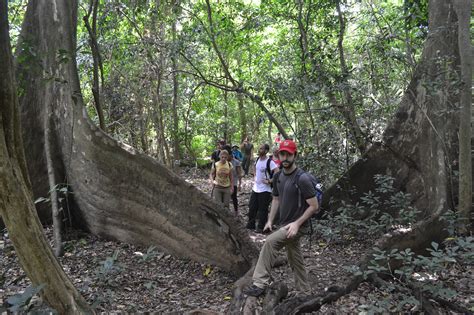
column 292, row 229
column 268, row 226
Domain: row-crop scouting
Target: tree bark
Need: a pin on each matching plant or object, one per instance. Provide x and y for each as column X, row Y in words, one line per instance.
column 118, row 192
column 16, row 203
column 174, row 74
column 96, row 58
column 227, row 136
column 53, row 189
column 420, row 145
column 243, row 118
column 463, row 12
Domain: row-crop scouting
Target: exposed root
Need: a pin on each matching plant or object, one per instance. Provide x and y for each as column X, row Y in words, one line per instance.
column 275, row 293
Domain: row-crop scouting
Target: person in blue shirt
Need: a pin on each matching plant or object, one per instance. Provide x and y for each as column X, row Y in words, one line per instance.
column 236, row 153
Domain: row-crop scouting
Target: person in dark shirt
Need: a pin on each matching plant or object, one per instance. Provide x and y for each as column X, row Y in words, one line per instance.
column 247, row 152
column 215, row 155
column 292, row 224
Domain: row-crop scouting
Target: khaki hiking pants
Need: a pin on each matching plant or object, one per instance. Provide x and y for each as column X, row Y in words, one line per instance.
column 274, row 242
column 222, row 196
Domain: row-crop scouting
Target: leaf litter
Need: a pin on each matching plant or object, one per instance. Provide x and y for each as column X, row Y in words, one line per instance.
column 120, row 277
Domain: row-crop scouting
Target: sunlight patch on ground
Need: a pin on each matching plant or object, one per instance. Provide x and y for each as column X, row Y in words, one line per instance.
column 403, row 229
column 424, row 277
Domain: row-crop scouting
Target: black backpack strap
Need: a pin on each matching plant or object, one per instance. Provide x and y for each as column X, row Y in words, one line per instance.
column 299, row 172
column 270, row 173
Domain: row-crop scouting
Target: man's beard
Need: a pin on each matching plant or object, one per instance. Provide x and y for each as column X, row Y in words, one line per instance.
column 290, row 164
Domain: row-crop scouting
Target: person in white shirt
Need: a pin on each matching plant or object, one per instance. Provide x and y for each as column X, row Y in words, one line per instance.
column 261, row 192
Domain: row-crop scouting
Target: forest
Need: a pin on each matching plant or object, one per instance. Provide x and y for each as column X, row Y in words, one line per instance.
column 110, row 111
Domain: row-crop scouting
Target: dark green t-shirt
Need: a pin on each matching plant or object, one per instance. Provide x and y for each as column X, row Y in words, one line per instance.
column 287, row 193
column 247, row 149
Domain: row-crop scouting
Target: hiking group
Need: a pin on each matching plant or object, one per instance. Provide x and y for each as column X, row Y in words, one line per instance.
column 292, row 193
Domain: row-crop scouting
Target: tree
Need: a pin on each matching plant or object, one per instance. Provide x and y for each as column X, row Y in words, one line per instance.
column 97, row 59
column 230, row 84
column 118, row 193
column 420, row 145
column 463, row 9
column 16, row 203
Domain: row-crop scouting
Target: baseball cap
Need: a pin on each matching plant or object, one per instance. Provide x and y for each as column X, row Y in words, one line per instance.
column 288, row 146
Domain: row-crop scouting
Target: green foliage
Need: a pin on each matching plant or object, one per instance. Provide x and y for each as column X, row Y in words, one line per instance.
column 144, row 44
column 150, row 253
column 426, row 274
column 199, row 145
column 378, row 212
column 108, row 268
column 422, row 273
column 21, row 302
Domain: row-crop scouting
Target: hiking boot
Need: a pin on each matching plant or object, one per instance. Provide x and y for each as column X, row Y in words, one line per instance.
column 253, row 290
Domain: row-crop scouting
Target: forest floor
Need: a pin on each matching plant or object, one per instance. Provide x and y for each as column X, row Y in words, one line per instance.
column 119, row 277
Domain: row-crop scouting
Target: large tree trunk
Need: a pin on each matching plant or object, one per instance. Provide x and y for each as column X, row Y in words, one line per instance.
column 118, row 192
column 420, row 145
column 463, row 10
column 16, row 203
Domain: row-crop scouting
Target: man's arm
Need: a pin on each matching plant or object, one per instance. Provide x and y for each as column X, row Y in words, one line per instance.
column 272, row 214
column 293, row 228
column 312, row 209
column 212, row 175
column 275, row 169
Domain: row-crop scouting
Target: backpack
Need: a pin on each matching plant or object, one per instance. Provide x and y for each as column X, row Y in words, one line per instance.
column 215, row 156
column 268, row 170
column 317, row 186
column 319, row 196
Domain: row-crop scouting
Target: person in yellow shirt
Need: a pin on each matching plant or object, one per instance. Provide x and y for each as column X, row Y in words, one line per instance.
column 222, row 179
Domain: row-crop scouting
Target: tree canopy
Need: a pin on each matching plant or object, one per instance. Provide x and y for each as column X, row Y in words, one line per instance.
column 172, row 74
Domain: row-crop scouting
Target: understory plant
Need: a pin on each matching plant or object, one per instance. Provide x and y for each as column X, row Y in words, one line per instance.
column 417, row 278
column 376, row 213
column 431, row 276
